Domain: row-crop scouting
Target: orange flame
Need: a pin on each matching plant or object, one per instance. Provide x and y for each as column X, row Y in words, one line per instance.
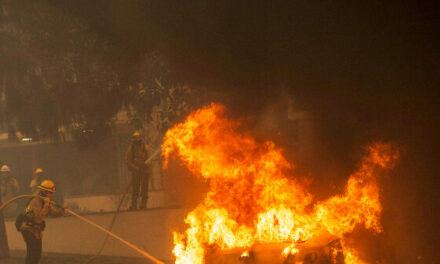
column 252, row 198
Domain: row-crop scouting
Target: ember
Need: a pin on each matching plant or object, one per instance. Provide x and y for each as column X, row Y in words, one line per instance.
column 254, row 198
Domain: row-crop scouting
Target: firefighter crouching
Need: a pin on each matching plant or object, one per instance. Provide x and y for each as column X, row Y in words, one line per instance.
column 32, row 223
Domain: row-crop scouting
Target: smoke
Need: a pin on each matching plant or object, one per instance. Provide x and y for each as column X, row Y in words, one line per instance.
column 366, row 71
column 182, row 188
column 364, row 81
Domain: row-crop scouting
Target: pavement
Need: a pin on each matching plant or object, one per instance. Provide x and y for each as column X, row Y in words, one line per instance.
column 17, row 257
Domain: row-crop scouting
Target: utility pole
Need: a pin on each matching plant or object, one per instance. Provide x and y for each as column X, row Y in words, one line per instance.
column 4, row 248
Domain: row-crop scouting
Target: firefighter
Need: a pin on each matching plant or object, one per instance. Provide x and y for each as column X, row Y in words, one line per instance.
column 33, row 223
column 136, row 156
column 36, row 180
column 9, row 188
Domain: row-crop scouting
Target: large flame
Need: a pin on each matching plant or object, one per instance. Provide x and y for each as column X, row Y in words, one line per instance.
column 252, row 197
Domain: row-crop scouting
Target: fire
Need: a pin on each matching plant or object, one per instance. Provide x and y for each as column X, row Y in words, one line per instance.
column 253, row 196
column 290, row 250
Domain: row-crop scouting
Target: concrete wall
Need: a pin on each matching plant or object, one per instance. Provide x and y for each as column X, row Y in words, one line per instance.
column 110, row 203
column 150, row 230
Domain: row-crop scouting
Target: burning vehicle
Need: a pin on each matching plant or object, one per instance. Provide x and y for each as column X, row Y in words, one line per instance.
column 330, row 253
column 257, row 210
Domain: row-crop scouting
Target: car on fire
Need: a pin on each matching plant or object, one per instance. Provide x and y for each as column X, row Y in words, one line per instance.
column 305, row 253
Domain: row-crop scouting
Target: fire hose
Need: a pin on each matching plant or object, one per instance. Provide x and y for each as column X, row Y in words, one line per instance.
column 142, row 252
column 145, row 254
column 147, row 162
column 89, row 260
column 3, row 206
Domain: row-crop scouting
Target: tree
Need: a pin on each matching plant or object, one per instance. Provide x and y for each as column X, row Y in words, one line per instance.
column 53, row 71
column 158, row 100
column 58, row 75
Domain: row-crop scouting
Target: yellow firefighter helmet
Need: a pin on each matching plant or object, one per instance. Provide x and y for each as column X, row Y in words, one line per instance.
column 136, row 136
column 5, row 168
column 47, row 185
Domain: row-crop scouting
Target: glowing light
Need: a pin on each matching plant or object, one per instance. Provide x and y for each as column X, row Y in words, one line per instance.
column 290, row 250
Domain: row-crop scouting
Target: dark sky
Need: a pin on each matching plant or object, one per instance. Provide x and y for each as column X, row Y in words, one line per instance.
column 367, row 69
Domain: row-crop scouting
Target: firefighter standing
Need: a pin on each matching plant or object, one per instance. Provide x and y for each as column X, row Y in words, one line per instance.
column 9, row 188
column 36, row 180
column 136, row 156
column 33, row 224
